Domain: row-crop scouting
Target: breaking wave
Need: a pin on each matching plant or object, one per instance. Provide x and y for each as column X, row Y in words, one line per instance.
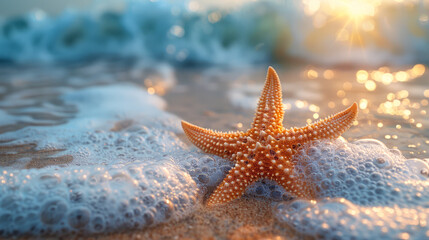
column 186, row 33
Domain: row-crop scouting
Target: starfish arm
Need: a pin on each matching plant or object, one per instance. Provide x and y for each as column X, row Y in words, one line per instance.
column 333, row 126
column 218, row 143
column 296, row 187
column 269, row 114
column 233, row 185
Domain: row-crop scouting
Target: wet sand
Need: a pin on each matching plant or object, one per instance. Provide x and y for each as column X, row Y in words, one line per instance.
column 245, row 218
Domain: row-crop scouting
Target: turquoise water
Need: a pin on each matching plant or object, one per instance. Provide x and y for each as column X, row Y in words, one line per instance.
column 371, row 33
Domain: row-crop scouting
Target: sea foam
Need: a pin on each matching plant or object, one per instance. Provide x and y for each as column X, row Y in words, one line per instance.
column 363, row 190
column 129, row 168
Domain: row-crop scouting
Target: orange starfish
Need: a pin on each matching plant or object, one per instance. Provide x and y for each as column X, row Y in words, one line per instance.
column 266, row 149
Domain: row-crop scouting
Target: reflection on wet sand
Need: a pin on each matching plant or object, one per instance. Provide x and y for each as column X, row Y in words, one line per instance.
column 32, row 157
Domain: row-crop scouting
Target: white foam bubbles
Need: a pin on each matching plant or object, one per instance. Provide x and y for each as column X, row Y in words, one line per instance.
column 93, row 199
column 363, row 190
column 91, row 136
column 129, row 169
column 339, row 218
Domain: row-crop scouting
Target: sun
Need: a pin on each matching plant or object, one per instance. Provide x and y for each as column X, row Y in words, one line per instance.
column 358, row 9
column 349, row 21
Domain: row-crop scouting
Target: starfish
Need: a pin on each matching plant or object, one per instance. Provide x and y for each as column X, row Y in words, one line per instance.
column 267, row 148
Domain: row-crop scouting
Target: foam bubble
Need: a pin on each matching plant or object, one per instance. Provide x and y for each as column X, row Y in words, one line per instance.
column 94, row 199
column 94, row 134
column 363, row 190
column 129, row 169
column 339, row 218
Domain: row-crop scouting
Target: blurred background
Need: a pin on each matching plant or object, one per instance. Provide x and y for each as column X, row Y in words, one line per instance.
column 332, row 32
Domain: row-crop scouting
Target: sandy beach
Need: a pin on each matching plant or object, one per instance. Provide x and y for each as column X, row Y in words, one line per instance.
column 247, row 218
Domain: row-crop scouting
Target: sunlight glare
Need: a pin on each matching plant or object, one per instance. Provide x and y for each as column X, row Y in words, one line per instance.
column 359, row 9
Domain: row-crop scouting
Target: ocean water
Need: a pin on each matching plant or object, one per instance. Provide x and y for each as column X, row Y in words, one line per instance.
column 91, row 103
column 349, row 32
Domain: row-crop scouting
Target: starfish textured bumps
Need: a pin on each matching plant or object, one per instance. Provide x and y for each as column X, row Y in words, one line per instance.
column 266, row 149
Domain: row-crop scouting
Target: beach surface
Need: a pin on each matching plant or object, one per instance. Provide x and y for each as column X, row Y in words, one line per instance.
column 220, row 99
